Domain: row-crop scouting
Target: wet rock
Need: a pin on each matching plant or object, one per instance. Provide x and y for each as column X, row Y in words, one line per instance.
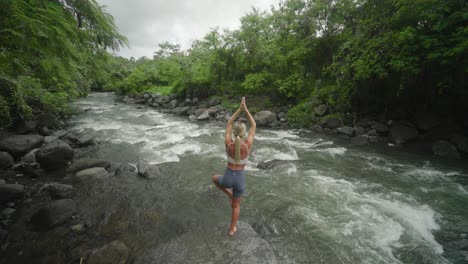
column 214, row 101
column 47, row 120
column 126, row 170
column 275, row 124
column 263, row 229
column 92, row 173
column 128, row 100
column 246, row 247
column 460, row 142
column 346, row 130
column 86, row 163
column 333, row 123
column 173, row 103
column 55, row 213
column 8, row 212
column 320, row 110
column 204, row 116
column 3, row 234
column 44, row 131
column 264, row 118
column 265, row 165
column 149, row 171
column 317, row 128
column 19, row 145
column 402, row 134
column 181, row 110
column 360, row 130
column 426, row 121
column 49, row 139
column 380, row 128
column 372, row 132
column 445, row 149
column 6, row 160
column 281, row 115
column 30, row 157
column 366, row 122
column 2, row 182
column 10, row 192
column 85, row 141
column 360, row 140
column 113, row 253
column 54, row 155
column 25, row 127
column 58, row 190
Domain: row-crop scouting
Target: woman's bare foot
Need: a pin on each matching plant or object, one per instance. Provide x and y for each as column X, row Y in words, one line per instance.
column 232, row 232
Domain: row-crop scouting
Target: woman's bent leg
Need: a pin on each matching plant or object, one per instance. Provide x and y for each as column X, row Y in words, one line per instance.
column 235, row 204
column 227, row 191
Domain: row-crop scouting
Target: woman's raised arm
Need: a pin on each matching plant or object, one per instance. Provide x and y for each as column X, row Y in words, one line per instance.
column 227, row 137
column 253, row 125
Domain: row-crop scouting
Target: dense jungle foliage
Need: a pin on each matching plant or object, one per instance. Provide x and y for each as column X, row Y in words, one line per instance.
column 380, row 56
column 51, row 52
column 366, row 56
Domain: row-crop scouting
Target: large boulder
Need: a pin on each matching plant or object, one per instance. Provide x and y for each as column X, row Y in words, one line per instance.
column 54, row 155
column 11, row 191
column 19, row 145
column 445, row 149
column 346, row 130
column 55, row 213
column 425, row 121
column 204, row 116
column 86, row 163
column 460, row 142
column 265, row 117
column 113, row 253
column 86, row 140
column 30, row 157
column 58, row 190
column 6, row 160
column 181, row 110
column 149, row 171
column 173, row 103
column 246, row 247
column 26, row 126
column 126, row 170
column 214, row 101
column 128, row 100
column 47, row 120
column 333, row 123
column 380, row 128
column 92, row 173
column 402, row 134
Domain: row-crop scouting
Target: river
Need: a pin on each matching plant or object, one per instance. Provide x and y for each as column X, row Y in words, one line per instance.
column 334, row 203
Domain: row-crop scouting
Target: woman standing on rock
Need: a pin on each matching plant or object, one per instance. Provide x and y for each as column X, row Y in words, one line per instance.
column 232, row 183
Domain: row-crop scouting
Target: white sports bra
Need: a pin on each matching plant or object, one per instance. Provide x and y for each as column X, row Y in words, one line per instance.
column 233, row 161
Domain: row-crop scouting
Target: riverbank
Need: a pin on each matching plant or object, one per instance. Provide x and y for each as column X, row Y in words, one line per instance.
column 423, row 132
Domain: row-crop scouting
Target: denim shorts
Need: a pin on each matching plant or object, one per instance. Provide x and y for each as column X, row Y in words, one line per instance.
column 234, row 179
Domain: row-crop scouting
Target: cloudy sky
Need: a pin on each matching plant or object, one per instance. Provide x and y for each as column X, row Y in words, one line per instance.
column 149, row 22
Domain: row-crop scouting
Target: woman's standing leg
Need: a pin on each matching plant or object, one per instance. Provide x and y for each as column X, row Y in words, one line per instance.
column 235, row 205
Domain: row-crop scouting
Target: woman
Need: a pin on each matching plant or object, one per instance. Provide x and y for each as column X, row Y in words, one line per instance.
column 232, row 183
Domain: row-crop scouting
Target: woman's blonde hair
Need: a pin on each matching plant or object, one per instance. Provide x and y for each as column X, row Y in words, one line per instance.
column 238, row 129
